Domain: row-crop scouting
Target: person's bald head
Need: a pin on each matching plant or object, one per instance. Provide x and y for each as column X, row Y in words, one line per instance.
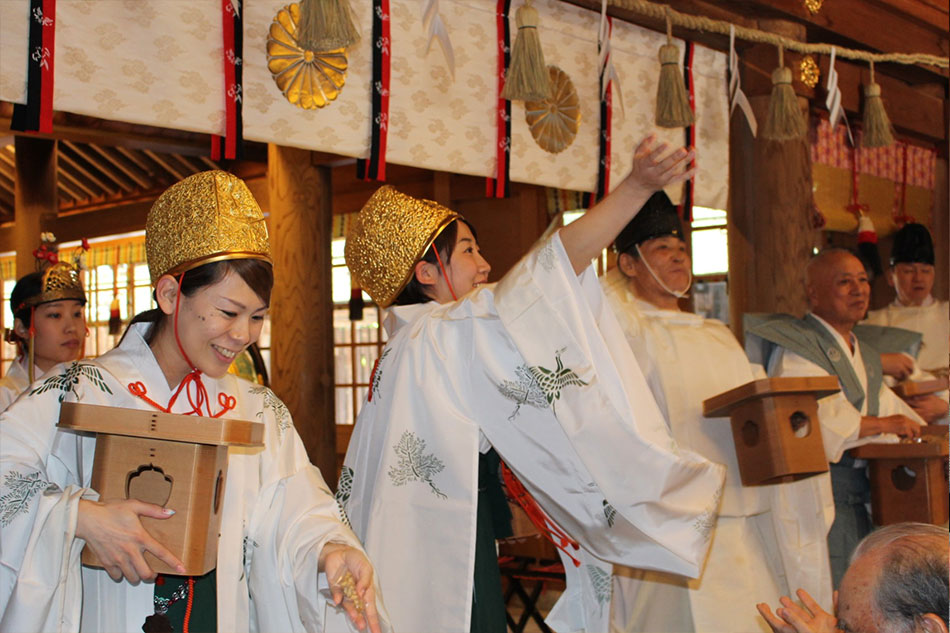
column 897, row 582
column 837, row 287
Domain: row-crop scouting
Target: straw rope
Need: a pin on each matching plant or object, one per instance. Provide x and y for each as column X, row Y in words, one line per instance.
column 700, row 23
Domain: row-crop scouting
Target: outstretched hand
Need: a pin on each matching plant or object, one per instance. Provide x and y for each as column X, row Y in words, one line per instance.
column 655, row 167
column 350, row 575
column 792, row 618
column 114, row 532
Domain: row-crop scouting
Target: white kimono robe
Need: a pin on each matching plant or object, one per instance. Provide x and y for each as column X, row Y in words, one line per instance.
column 932, row 320
column 532, row 365
column 277, row 515
column 687, row 359
column 15, row 382
column 839, row 419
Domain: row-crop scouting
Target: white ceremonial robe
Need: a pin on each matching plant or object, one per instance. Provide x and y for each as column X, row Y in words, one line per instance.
column 932, row 320
column 840, row 420
column 840, row 424
column 532, row 364
column 15, row 381
column 687, row 359
column 278, row 512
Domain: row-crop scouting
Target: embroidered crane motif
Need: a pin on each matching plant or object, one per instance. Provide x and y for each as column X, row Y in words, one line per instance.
column 66, row 382
column 525, row 390
column 552, row 381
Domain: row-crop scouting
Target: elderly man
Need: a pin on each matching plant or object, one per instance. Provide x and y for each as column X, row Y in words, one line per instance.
column 865, row 410
column 897, row 583
column 911, row 274
column 686, row 359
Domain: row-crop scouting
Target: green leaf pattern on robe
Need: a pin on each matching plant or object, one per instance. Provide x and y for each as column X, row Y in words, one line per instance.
column 277, row 407
column 414, row 464
column 600, row 580
column 20, row 489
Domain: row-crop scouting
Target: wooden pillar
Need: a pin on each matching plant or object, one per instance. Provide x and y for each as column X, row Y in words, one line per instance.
column 35, row 203
column 769, row 222
column 301, row 305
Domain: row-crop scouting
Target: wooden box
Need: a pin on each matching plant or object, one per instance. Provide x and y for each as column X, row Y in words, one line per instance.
column 909, row 480
column 172, row 460
column 775, row 427
column 911, row 388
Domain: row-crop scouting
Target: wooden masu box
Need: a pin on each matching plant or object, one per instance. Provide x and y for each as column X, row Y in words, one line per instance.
column 171, row 460
column 909, row 480
column 775, row 427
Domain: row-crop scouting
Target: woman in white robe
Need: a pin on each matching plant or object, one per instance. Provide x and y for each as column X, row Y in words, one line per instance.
column 530, row 367
column 281, row 529
column 48, row 315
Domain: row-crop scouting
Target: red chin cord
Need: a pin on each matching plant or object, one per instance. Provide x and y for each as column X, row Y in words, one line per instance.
column 200, row 396
column 445, row 275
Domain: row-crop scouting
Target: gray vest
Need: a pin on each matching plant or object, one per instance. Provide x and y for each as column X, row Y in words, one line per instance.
column 808, row 338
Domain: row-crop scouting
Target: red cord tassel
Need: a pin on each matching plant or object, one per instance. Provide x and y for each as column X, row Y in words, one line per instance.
column 543, row 522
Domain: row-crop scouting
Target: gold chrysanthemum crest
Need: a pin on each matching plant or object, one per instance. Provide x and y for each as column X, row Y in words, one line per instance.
column 810, row 74
column 554, row 121
column 308, row 79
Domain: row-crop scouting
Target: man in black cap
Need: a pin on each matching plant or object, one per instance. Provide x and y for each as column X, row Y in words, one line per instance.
column 686, row 359
column 911, row 274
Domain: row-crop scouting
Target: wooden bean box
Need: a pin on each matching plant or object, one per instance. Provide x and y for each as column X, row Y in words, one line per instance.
column 177, row 461
column 775, row 427
column 909, row 480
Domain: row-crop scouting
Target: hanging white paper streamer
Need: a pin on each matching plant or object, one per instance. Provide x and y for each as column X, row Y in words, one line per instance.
column 736, row 96
column 432, row 21
column 606, row 64
column 833, row 100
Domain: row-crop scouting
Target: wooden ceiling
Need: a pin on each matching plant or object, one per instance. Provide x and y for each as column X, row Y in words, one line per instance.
column 91, row 175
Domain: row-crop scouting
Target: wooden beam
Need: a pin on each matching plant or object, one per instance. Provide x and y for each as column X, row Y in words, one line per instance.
column 302, row 347
column 105, row 170
column 118, row 164
column 209, row 163
column 141, row 164
column 87, row 129
column 76, row 181
column 75, row 164
column 188, row 163
column 123, row 218
column 165, row 164
column 36, row 203
column 72, row 193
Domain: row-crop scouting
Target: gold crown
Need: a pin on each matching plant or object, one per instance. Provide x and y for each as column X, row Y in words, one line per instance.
column 207, row 217
column 389, row 235
column 60, row 281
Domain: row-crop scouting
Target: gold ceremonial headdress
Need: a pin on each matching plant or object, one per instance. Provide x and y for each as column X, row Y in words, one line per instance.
column 208, row 217
column 389, row 235
column 60, row 281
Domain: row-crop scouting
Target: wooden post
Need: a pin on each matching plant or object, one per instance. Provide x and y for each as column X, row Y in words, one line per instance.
column 770, row 232
column 36, row 202
column 302, row 308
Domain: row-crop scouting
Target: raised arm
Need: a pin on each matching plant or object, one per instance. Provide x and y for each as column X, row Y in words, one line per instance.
column 653, row 168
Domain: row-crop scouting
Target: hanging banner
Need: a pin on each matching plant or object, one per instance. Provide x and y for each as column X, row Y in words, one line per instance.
column 37, row 114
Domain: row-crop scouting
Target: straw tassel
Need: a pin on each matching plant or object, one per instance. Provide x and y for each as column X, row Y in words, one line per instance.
column 326, row 25
column 528, row 78
column 672, row 102
column 877, row 125
column 785, row 121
